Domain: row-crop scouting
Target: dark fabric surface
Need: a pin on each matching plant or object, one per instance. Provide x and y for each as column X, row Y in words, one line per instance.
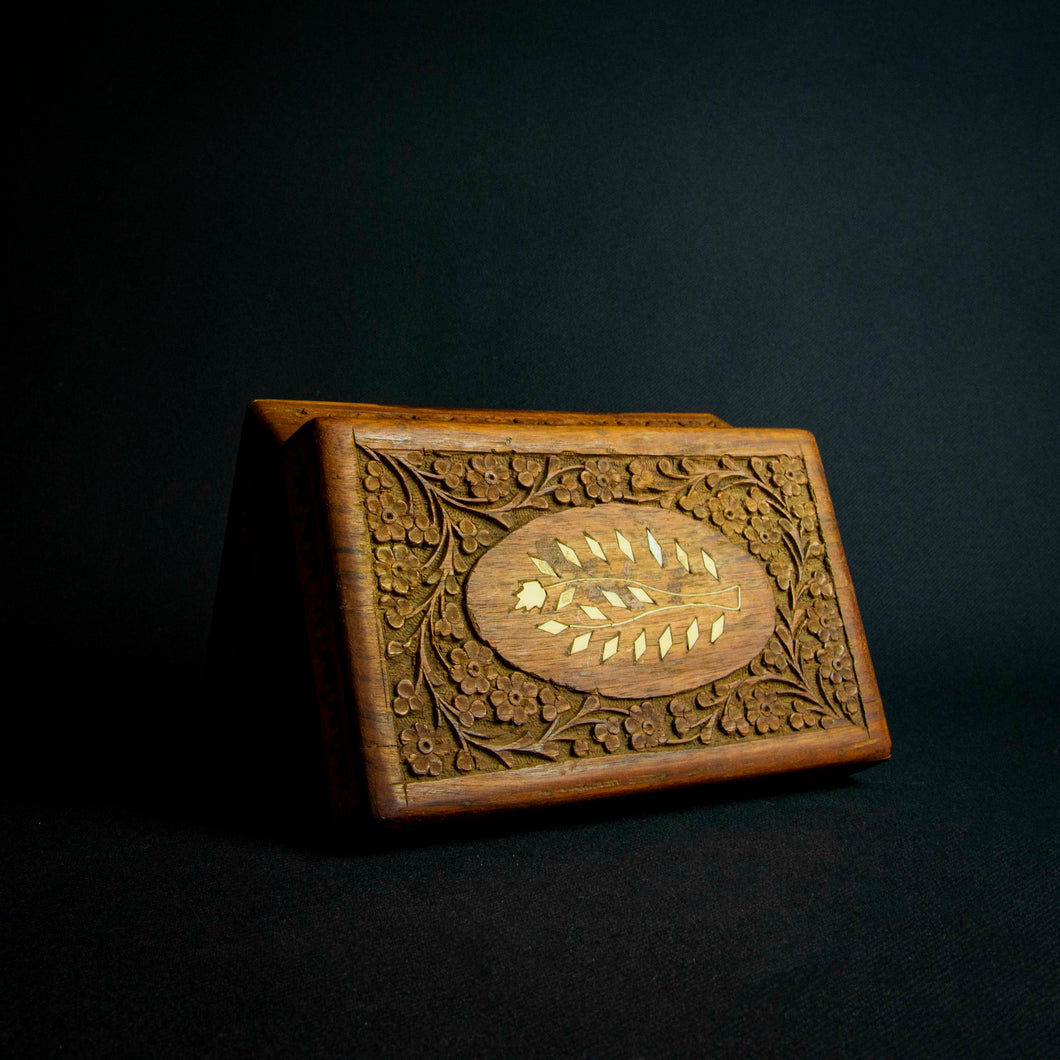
column 835, row 217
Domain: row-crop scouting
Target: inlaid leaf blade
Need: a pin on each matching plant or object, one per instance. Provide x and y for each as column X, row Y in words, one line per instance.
column 666, row 642
column 640, row 645
column 543, row 566
column 568, row 553
column 708, row 564
column 581, row 642
column 654, row 548
column 595, row 547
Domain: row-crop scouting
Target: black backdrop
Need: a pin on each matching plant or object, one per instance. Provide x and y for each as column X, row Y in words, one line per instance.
column 835, row 217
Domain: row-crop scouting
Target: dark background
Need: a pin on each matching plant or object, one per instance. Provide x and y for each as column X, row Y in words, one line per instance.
column 836, row 217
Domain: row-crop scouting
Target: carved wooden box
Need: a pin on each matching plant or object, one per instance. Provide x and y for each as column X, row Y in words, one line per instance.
column 507, row 613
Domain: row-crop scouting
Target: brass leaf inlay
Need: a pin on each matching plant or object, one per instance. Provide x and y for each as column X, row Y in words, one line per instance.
column 609, row 602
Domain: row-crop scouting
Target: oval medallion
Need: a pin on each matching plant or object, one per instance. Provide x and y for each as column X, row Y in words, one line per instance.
column 625, row 601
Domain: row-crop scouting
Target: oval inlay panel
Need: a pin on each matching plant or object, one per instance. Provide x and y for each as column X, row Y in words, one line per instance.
column 622, row 600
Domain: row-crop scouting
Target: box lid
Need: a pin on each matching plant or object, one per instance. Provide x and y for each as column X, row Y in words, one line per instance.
column 509, row 614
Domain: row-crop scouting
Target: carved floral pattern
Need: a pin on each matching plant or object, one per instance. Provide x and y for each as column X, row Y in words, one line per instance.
column 421, row 750
column 515, row 698
column 645, row 726
column 458, row 708
column 488, row 476
column 398, row 569
column 602, row 480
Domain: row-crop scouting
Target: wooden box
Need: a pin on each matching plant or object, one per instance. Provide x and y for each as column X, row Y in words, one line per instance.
column 511, row 609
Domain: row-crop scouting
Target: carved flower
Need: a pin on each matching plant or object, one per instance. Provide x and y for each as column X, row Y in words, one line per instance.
column 838, row 667
column 377, row 477
column 802, row 717
column 781, row 569
column 757, row 503
column 645, row 726
column 408, row 699
column 764, row 536
column 847, row 694
column 788, row 475
column 552, row 705
column 602, row 480
column 388, row 516
column 733, row 721
column 424, row 532
column 526, row 469
column 774, row 655
column 465, row 762
column 472, row 536
column 606, row 733
column 695, row 502
column 727, row 511
column 763, row 711
column 515, row 698
column 823, row 620
column 451, row 470
column 569, row 491
column 469, row 710
column 581, row 747
column 836, row 663
column 472, row 667
column 642, row 472
column 704, row 698
column 684, row 713
column 488, row 476
column 420, row 750
column 807, row 645
column 398, row 569
column 395, row 611
column 804, row 512
column 820, row 585
column 451, row 624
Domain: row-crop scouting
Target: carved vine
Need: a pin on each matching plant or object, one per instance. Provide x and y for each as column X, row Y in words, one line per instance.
column 460, row 708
